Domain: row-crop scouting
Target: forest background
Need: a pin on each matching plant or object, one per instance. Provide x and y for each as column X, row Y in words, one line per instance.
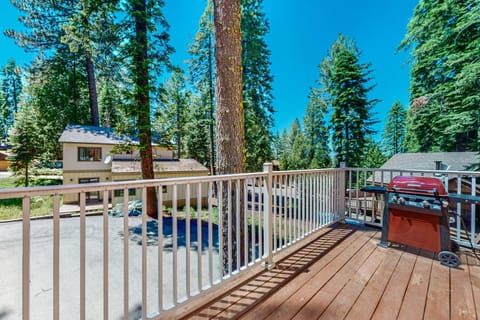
column 81, row 47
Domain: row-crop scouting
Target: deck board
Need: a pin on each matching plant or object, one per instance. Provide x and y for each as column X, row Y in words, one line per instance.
column 462, row 303
column 437, row 306
column 366, row 303
column 343, row 274
column 413, row 304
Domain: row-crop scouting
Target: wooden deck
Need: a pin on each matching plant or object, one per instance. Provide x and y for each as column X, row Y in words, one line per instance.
column 343, row 274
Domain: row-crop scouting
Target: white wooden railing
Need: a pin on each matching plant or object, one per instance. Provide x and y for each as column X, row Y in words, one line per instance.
column 103, row 266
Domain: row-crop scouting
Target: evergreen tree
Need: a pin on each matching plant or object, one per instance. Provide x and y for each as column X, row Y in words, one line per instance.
column 344, row 80
column 110, row 102
column 295, row 154
column 58, row 93
column 196, row 129
column 229, row 114
column 11, row 88
column 53, row 27
column 201, row 74
column 395, row 130
column 173, row 114
column 298, row 158
column 257, row 85
column 257, row 79
column 374, row 157
column 316, row 132
column 4, row 119
column 25, row 142
column 285, row 150
column 228, row 88
column 444, row 40
column 146, row 56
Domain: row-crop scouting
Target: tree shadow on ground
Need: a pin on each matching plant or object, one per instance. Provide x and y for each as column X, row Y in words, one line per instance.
column 135, row 234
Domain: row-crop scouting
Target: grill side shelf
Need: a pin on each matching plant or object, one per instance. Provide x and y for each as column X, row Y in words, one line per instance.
column 374, row 189
column 463, row 198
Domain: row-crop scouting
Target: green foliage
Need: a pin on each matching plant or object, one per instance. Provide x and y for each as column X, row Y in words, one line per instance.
column 316, row 132
column 11, row 88
column 295, row 153
column 444, row 40
column 196, row 146
column 12, row 208
column 374, row 157
column 257, row 79
column 395, row 130
column 173, row 115
column 26, row 146
column 257, row 85
column 201, row 75
column 344, row 84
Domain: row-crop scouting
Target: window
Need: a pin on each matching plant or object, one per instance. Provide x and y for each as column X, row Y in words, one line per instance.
column 89, row 154
column 119, row 192
column 88, row 180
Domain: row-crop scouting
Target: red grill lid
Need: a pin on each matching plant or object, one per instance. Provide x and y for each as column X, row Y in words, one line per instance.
column 417, row 185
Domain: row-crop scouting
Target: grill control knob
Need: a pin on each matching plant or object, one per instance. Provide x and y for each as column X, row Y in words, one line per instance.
column 426, row 204
column 401, row 200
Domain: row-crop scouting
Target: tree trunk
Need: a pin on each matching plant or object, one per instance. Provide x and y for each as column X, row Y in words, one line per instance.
column 92, row 91
column 229, row 108
column 143, row 100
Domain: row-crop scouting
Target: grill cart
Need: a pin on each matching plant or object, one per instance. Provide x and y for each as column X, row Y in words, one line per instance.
column 416, row 214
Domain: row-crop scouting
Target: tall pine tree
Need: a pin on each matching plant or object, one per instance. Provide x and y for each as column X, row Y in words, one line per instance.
column 11, row 88
column 147, row 54
column 444, row 40
column 345, row 88
column 25, row 143
column 201, row 71
column 395, row 130
column 316, row 131
column 257, row 85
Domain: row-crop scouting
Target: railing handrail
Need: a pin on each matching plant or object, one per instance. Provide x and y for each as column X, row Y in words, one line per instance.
column 21, row 192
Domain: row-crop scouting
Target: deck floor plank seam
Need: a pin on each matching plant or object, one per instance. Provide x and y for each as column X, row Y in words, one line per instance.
column 343, row 302
column 287, row 269
column 288, row 308
column 366, row 303
column 353, row 278
column 392, row 298
column 413, row 305
column 261, row 311
column 325, row 294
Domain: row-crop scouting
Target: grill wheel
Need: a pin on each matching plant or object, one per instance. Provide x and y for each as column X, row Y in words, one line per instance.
column 449, row 259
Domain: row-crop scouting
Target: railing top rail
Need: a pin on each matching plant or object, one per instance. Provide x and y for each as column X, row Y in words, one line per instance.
column 115, row 185
column 308, row 171
column 102, row 186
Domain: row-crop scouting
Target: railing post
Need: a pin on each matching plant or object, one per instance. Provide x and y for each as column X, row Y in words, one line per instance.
column 268, row 215
column 342, row 191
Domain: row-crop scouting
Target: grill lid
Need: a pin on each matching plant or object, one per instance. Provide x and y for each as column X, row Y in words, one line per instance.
column 417, row 185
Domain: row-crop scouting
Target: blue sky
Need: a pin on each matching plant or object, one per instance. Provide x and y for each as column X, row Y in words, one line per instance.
column 301, row 33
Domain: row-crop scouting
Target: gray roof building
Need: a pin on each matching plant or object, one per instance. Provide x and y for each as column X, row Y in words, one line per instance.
column 445, row 161
column 451, row 161
column 74, row 133
column 161, row 166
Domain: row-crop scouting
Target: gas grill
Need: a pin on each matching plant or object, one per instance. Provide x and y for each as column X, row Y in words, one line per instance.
column 416, row 214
